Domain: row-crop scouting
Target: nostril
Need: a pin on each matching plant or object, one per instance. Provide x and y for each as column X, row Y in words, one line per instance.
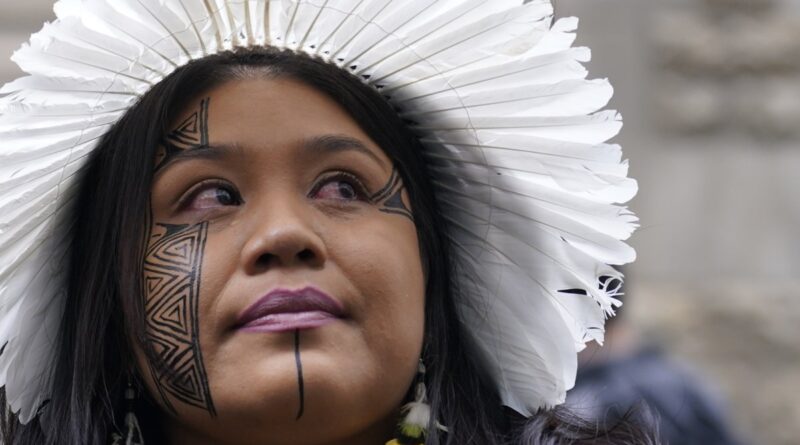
column 306, row 255
column 267, row 260
column 263, row 261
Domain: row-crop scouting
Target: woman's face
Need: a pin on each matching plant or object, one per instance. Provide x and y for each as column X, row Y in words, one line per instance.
column 283, row 285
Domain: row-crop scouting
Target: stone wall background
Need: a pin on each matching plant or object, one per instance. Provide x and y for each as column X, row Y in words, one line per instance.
column 710, row 92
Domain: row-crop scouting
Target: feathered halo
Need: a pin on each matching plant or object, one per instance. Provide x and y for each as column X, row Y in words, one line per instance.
column 510, row 126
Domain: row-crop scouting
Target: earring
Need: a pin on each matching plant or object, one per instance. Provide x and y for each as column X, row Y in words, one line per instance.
column 133, row 435
column 417, row 414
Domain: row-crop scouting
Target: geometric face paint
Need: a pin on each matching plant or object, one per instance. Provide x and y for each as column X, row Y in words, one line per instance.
column 172, row 269
column 299, row 365
column 190, row 134
column 390, row 197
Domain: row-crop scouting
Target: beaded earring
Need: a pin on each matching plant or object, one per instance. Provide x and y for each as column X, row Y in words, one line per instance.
column 417, row 414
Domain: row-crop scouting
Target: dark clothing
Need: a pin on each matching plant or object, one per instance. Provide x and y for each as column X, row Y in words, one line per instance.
column 688, row 413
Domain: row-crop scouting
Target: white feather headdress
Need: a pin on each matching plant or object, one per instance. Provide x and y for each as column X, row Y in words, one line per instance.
column 511, row 128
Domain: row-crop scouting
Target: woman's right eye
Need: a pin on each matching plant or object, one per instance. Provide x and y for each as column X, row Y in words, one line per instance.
column 211, row 196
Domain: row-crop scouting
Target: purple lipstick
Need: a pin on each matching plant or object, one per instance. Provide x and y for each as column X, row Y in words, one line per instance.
column 287, row 310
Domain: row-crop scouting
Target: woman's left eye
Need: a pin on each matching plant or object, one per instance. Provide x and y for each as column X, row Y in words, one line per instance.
column 211, row 195
column 342, row 187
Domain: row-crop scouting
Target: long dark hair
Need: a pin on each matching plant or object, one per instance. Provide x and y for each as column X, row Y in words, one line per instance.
column 104, row 308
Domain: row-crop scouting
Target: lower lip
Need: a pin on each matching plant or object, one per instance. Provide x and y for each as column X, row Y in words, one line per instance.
column 289, row 321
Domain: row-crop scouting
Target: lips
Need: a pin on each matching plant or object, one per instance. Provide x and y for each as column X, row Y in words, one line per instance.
column 287, row 310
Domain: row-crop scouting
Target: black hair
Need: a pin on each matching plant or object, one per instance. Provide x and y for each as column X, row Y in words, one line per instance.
column 104, row 308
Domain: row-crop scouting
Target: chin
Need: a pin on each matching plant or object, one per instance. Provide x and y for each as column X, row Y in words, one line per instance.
column 340, row 395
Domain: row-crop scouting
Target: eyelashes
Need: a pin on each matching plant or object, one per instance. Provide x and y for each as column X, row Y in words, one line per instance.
column 336, row 187
column 340, row 186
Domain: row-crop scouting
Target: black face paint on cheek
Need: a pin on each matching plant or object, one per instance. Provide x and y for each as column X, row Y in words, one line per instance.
column 190, row 134
column 299, row 365
column 172, row 270
column 390, row 197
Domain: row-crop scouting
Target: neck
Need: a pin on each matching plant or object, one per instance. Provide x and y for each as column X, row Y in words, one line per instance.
column 376, row 434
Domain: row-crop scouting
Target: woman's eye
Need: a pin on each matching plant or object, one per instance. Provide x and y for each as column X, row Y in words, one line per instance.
column 340, row 188
column 212, row 196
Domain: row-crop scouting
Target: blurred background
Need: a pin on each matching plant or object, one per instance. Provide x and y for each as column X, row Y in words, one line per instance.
column 710, row 93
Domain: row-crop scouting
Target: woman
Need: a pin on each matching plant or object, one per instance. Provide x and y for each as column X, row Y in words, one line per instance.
column 258, row 257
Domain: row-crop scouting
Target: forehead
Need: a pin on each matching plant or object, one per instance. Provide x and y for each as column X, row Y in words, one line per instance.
column 273, row 113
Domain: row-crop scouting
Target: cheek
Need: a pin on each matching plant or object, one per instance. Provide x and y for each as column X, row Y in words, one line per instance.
column 383, row 262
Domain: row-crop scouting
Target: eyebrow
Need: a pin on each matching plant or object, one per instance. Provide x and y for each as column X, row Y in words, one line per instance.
column 205, row 152
column 335, row 143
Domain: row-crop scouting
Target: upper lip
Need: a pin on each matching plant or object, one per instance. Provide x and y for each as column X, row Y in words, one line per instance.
column 282, row 300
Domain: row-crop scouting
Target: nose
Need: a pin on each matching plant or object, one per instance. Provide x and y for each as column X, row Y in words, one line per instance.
column 282, row 235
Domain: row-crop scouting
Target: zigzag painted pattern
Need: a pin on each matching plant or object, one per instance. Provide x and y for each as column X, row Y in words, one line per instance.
column 172, row 268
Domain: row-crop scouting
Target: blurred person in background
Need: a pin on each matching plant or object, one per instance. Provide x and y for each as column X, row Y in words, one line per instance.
column 627, row 373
